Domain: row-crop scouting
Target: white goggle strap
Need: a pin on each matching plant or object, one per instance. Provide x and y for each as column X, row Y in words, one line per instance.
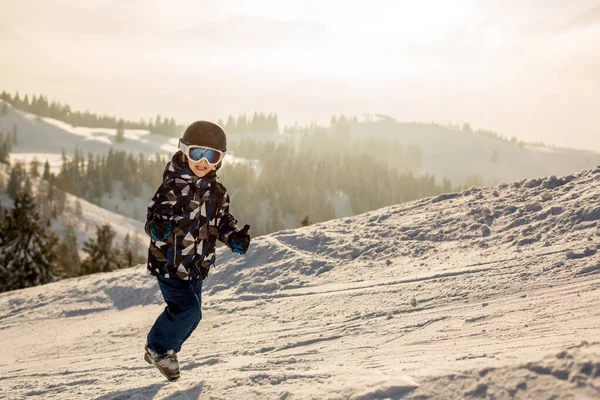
column 184, row 148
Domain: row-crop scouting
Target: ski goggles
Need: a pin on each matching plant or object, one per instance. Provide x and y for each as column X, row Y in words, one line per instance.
column 197, row 153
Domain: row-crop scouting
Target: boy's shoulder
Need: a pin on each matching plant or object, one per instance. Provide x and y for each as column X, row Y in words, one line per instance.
column 219, row 187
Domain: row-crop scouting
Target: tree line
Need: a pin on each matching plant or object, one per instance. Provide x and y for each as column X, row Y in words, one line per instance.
column 92, row 177
column 31, row 254
column 242, row 123
column 41, row 106
column 7, row 141
column 297, row 178
column 299, row 182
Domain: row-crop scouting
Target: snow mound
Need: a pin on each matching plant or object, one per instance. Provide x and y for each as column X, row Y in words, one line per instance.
column 116, row 290
column 509, row 219
column 573, row 370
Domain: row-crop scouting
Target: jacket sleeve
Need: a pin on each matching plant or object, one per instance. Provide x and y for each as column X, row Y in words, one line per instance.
column 227, row 222
column 161, row 208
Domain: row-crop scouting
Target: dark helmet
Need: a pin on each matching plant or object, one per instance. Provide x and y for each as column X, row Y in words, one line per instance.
column 205, row 133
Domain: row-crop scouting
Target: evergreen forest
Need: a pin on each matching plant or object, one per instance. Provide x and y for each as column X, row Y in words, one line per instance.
column 317, row 173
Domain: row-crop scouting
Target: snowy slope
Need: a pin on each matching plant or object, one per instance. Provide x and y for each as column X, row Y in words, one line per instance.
column 450, row 153
column 45, row 138
column 93, row 216
column 84, row 224
column 457, row 154
column 488, row 293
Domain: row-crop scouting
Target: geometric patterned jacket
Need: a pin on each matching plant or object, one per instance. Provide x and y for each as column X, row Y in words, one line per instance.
column 196, row 211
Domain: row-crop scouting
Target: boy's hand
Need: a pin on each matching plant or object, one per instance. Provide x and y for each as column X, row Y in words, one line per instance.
column 159, row 230
column 240, row 240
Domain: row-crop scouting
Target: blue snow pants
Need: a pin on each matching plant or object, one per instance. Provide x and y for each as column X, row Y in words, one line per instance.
column 179, row 318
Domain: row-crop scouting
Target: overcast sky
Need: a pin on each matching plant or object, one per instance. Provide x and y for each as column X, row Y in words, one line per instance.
column 529, row 69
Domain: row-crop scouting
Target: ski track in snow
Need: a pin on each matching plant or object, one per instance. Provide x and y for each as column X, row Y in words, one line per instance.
column 488, row 293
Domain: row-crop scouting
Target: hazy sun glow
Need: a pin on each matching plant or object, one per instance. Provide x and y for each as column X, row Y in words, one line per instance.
column 521, row 68
column 374, row 23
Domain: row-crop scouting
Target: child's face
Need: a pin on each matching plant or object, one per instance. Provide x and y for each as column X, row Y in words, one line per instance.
column 200, row 168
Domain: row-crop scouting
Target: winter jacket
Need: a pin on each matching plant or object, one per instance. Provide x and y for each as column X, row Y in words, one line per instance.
column 192, row 213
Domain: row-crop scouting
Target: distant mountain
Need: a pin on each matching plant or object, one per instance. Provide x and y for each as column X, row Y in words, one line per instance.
column 46, row 138
column 451, row 153
column 459, row 154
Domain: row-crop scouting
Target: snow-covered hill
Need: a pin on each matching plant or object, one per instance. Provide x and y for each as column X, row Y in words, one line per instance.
column 451, row 153
column 458, row 154
column 488, row 293
column 84, row 225
column 46, row 138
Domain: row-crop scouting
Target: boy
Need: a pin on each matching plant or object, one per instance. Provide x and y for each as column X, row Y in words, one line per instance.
column 186, row 216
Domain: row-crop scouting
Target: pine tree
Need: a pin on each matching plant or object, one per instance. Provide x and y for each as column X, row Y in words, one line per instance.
column 46, row 175
column 120, row 132
column 27, row 185
column 102, row 255
column 4, row 153
column 14, row 182
column 274, row 124
column 34, row 167
column 158, row 125
column 255, row 123
column 230, row 126
column 446, row 185
column 34, row 105
column 68, row 255
column 78, row 209
column 4, row 109
column 27, row 256
column 44, row 201
column 64, row 161
column 305, row 221
column 129, row 254
column 242, row 123
column 60, row 204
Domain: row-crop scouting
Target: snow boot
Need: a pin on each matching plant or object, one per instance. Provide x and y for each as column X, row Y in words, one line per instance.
column 166, row 363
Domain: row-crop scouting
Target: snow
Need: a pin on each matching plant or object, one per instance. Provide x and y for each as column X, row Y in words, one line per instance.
column 58, row 135
column 458, row 154
column 488, row 293
column 444, row 150
column 91, row 216
column 54, row 160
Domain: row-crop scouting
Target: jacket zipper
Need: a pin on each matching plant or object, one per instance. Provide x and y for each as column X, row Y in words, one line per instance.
column 175, row 253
